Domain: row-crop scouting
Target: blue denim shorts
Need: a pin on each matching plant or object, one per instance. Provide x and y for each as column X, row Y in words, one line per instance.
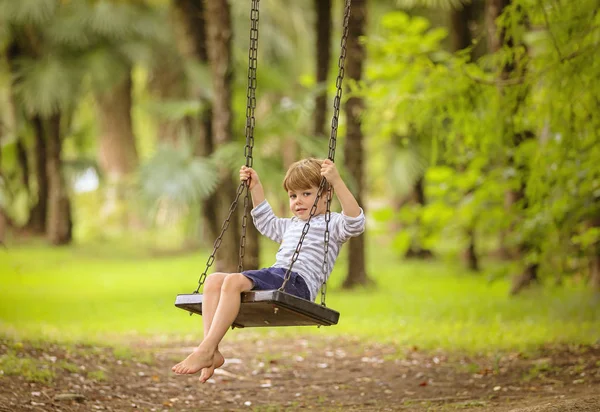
column 272, row 278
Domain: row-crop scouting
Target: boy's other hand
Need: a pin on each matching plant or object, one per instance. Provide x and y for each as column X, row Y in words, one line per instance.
column 330, row 172
column 249, row 175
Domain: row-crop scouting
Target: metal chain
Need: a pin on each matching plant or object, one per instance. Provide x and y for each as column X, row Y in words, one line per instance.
column 326, row 247
column 250, row 123
column 250, row 120
column 217, row 243
column 332, row 145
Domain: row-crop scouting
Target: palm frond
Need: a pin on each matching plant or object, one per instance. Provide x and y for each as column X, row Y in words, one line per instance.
column 36, row 12
column 285, row 34
column 176, row 176
column 230, row 155
column 111, row 20
column 70, row 27
column 47, row 85
column 148, row 24
column 407, row 166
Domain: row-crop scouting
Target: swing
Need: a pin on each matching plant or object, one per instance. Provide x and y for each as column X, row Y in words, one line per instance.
column 275, row 307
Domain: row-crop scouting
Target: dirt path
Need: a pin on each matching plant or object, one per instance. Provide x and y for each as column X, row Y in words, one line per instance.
column 274, row 375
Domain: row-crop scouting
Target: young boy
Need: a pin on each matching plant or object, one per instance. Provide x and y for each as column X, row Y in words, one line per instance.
column 221, row 294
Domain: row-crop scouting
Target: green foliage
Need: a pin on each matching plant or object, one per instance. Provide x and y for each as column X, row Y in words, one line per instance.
column 28, row 11
column 534, row 126
column 174, row 181
column 65, row 40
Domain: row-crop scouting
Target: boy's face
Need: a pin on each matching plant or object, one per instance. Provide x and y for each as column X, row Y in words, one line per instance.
column 301, row 201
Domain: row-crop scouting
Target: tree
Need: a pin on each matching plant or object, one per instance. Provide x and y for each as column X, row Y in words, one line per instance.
column 323, row 53
column 353, row 148
column 219, row 33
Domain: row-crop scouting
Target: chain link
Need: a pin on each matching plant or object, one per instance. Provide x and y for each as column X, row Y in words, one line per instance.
column 323, row 185
column 250, row 120
column 250, row 123
column 217, row 243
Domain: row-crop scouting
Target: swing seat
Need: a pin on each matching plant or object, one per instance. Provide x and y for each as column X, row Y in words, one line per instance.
column 267, row 308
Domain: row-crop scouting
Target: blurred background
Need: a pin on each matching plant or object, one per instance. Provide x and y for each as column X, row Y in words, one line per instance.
column 468, row 131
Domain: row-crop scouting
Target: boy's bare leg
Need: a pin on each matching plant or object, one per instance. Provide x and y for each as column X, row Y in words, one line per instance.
column 210, row 299
column 213, row 284
column 227, row 310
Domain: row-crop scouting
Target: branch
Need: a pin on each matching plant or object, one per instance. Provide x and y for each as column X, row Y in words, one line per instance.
column 554, row 41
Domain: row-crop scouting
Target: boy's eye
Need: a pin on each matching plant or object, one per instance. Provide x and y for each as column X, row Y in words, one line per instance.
column 306, row 193
column 292, row 196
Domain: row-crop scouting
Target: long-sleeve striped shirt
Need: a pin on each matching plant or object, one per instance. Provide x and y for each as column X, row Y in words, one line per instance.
column 287, row 232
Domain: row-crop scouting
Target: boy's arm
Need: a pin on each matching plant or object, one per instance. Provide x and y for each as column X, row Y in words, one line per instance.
column 258, row 194
column 256, row 188
column 350, row 206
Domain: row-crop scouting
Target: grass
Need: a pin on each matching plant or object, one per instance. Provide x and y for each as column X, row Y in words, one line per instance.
column 33, row 370
column 111, row 293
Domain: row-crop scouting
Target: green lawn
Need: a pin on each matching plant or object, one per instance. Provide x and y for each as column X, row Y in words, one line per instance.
column 119, row 292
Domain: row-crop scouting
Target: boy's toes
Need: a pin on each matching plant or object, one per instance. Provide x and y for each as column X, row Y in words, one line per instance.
column 206, row 374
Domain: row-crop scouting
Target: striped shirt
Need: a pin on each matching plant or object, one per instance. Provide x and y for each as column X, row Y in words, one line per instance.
column 287, row 232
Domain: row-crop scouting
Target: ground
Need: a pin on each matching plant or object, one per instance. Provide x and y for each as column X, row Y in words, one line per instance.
column 273, row 374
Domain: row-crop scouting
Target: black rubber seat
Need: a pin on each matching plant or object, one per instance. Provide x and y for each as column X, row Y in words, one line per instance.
column 269, row 308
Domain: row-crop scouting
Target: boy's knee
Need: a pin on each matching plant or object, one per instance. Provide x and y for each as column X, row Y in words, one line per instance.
column 214, row 282
column 236, row 282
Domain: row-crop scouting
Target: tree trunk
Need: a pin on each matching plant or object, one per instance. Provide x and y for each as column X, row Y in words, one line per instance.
column 323, row 51
column 3, row 226
column 416, row 250
column 117, row 149
column 460, row 33
column 59, row 207
column 3, row 216
column 353, row 149
column 595, row 272
column 191, row 41
column 525, row 279
column 471, row 252
column 594, row 257
column 219, row 33
column 461, row 38
column 38, row 214
column 23, row 163
column 36, row 223
column 497, row 39
column 167, row 82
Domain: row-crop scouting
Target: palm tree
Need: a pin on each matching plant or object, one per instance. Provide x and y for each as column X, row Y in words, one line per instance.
column 353, row 148
column 219, row 34
column 54, row 46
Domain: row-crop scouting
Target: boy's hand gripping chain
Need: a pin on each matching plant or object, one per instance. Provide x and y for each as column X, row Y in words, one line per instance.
column 331, row 156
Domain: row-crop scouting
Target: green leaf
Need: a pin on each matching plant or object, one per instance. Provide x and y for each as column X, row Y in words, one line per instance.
column 36, row 12
column 49, row 84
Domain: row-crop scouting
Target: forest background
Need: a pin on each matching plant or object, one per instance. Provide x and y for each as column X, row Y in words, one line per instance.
column 468, row 131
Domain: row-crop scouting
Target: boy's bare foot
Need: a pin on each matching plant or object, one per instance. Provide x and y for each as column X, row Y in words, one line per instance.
column 207, row 373
column 197, row 360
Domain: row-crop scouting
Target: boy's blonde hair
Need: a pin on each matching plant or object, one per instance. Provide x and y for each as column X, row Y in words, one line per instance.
column 303, row 174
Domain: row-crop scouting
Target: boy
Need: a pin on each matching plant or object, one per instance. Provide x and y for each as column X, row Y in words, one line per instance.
column 221, row 294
